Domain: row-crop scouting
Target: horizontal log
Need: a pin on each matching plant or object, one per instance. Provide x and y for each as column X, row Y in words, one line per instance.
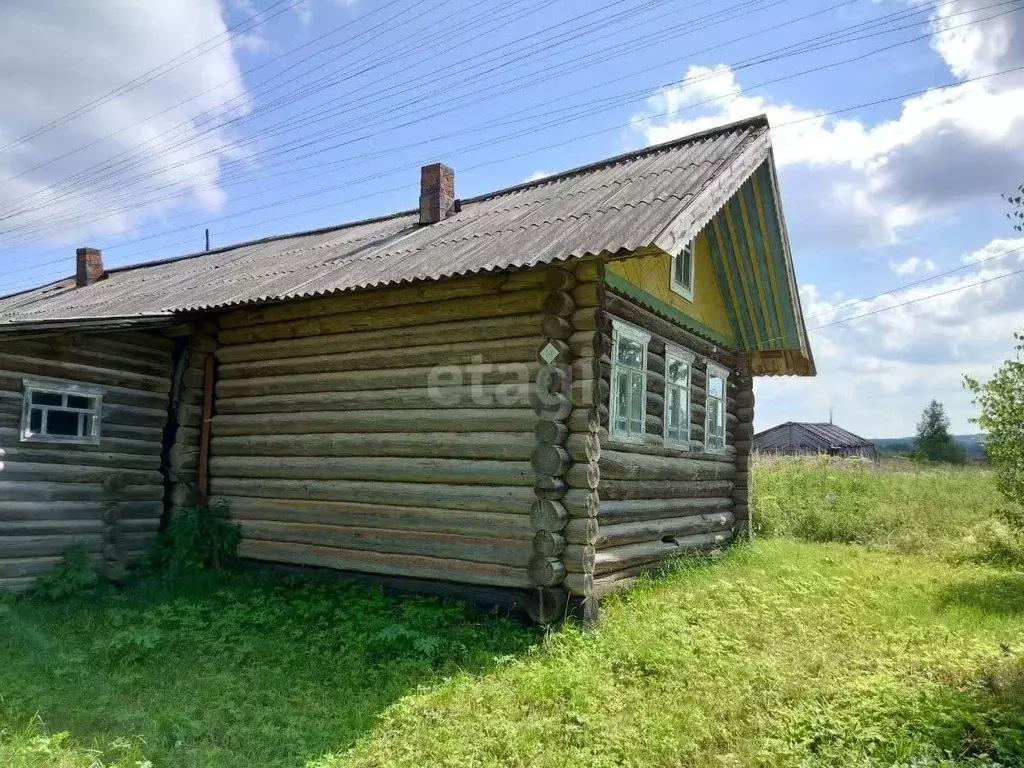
column 460, row 331
column 626, row 511
column 629, row 555
column 28, row 472
column 50, row 491
column 92, row 374
column 412, row 566
column 393, row 469
column 76, row 510
column 18, row 584
column 366, row 381
column 468, row 445
column 492, row 351
column 49, row 527
column 412, row 421
column 613, row 535
column 93, row 355
column 47, row 545
column 484, row 498
column 410, row 315
column 618, row 465
column 12, row 436
column 479, row 549
column 510, row 394
column 43, row 453
column 363, row 515
column 397, row 297
column 32, row 566
column 12, row 388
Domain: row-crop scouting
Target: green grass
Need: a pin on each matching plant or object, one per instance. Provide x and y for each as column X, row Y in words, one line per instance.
column 784, row 653
column 896, row 505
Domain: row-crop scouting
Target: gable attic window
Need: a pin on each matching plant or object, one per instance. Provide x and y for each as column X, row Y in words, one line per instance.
column 682, row 272
column 677, row 395
column 629, row 380
column 714, row 426
column 61, row 412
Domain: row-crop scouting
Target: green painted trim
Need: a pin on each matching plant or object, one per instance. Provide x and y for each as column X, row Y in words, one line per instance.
column 723, row 286
column 667, row 310
column 721, row 224
column 760, row 258
column 735, row 224
column 771, row 221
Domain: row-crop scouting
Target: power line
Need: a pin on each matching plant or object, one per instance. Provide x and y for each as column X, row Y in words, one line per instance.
column 798, row 48
column 500, row 160
column 154, row 73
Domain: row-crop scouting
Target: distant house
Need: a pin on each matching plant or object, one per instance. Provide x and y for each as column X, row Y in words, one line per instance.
column 530, row 396
column 813, row 438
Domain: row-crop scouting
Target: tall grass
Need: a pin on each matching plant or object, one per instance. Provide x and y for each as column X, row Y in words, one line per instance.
column 895, row 505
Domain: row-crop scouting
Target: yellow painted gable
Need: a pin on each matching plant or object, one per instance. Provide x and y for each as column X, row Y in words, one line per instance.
column 651, row 275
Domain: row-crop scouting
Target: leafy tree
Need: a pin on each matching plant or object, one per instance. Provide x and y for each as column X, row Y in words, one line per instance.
column 934, row 443
column 1001, row 400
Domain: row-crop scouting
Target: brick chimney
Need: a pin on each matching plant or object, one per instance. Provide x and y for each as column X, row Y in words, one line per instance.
column 89, row 266
column 437, row 193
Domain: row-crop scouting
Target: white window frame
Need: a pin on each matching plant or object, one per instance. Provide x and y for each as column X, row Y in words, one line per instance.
column 714, row 370
column 679, row 286
column 621, row 330
column 674, row 353
column 65, row 389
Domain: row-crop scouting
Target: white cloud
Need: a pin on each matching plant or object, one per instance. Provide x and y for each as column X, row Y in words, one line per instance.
column 95, row 49
column 535, row 176
column 996, row 249
column 879, row 371
column 912, row 265
column 871, row 182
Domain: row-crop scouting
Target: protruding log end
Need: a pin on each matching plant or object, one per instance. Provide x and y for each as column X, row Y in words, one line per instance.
column 547, row 605
column 548, row 515
column 545, row 571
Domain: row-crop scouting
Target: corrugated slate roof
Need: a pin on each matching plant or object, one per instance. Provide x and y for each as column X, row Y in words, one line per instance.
column 616, row 205
column 829, row 434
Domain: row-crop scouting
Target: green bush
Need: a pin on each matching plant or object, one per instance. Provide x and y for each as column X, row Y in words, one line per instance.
column 73, row 576
column 197, row 538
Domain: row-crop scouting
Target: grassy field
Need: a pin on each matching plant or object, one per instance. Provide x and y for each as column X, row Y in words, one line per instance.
column 900, row 650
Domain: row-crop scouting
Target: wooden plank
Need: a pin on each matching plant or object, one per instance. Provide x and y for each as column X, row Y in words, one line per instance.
column 47, row 544
column 510, row 446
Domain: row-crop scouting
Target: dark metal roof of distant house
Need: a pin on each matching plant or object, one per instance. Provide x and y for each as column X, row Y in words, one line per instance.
column 658, row 197
column 829, row 434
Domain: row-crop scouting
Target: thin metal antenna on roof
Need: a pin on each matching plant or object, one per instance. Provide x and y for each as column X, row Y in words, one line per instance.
column 207, row 239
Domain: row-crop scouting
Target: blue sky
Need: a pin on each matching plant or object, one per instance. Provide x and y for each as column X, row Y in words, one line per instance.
column 338, row 103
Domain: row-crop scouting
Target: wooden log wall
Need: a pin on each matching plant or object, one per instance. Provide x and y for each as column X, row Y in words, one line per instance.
column 106, row 497
column 632, row 506
column 389, row 431
column 182, row 460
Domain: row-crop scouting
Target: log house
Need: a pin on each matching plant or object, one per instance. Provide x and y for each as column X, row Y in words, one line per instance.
column 530, row 397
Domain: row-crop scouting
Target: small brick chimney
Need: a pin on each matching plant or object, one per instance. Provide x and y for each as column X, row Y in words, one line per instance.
column 89, row 266
column 437, row 193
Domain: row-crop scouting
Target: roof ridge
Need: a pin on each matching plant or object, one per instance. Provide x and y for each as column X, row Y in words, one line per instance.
column 760, row 120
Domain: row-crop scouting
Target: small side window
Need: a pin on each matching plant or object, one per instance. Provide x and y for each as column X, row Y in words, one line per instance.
column 61, row 412
column 678, row 363
column 714, row 427
column 629, row 380
column 682, row 272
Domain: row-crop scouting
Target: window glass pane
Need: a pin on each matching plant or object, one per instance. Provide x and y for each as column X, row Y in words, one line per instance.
column 62, row 423
column 677, row 268
column 630, row 353
column 636, row 402
column 678, row 372
column 687, row 268
column 86, row 425
column 47, row 398
column 716, row 386
column 35, row 420
column 80, row 401
column 621, row 400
